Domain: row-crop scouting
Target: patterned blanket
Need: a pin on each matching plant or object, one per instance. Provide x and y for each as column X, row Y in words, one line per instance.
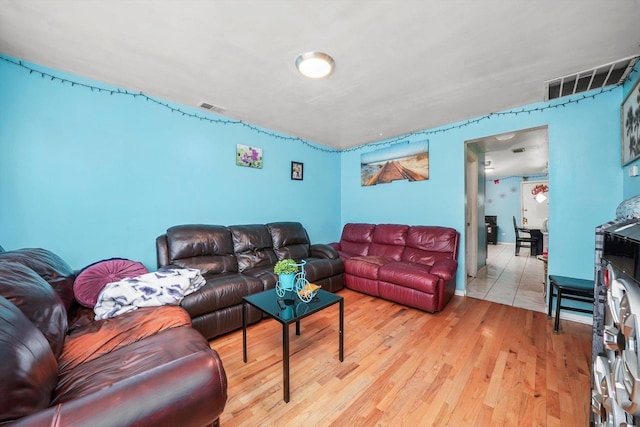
column 164, row 287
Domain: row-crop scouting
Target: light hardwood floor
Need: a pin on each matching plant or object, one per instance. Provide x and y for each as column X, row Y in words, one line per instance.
column 477, row 363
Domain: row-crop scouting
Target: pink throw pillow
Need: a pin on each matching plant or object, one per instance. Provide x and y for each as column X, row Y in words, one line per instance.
column 92, row 279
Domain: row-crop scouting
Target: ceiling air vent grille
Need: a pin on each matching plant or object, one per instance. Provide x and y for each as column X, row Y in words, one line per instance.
column 610, row 74
column 211, row 107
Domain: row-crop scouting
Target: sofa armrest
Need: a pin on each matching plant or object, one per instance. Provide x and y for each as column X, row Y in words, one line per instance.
column 190, row 391
column 162, row 251
column 445, row 268
column 336, row 245
column 321, row 250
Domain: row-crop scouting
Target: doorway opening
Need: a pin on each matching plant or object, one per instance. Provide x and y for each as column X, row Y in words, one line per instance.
column 506, row 161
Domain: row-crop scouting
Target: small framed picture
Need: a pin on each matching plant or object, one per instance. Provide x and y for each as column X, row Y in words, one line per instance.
column 297, row 170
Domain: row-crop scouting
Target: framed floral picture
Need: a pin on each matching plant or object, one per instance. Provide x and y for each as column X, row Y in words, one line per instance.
column 631, row 125
column 248, row 156
column 297, row 170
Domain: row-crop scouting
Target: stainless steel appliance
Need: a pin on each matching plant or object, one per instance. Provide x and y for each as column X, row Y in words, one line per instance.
column 616, row 328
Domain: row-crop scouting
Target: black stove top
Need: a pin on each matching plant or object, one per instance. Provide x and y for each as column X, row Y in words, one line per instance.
column 622, row 247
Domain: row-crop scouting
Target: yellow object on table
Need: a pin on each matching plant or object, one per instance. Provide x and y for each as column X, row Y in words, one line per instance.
column 308, row 290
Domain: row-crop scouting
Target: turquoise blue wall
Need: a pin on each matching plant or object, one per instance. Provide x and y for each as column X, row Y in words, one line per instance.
column 90, row 175
column 584, row 174
column 503, row 201
column 631, row 185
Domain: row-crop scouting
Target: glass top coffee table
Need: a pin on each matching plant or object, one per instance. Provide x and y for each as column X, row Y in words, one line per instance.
column 287, row 310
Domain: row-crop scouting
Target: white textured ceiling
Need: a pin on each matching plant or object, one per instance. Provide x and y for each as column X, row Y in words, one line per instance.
column 401, row 66
column 531, row 156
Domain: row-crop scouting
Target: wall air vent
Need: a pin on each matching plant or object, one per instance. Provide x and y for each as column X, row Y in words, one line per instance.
column 518, row 150
column 610, row 74
column 211, row 107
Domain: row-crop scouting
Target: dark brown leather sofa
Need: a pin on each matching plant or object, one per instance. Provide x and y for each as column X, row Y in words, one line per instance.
column 411, row 265
column 237, row 261
column 59, row 367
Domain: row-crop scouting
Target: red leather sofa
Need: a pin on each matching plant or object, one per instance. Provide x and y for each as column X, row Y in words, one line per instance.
column 59, row 367
column 411, row 265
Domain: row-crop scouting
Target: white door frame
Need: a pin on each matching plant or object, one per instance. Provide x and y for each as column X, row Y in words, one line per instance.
column 471, row 214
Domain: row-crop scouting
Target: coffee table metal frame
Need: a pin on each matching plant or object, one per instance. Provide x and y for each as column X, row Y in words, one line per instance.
column 294, row 311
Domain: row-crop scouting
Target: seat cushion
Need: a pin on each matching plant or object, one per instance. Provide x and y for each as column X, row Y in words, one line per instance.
column 265, row 274
column 221, row 291
column 28, row 372
column 93, row 278
column 105, row 336
column 409, row 275
column 365, row 266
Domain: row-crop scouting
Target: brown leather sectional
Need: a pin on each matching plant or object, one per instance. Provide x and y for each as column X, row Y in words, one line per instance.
column 237, row 261
column 60, row 367
column 411, row 265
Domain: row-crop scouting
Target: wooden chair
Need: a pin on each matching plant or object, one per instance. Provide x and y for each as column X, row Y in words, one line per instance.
column 528, row 241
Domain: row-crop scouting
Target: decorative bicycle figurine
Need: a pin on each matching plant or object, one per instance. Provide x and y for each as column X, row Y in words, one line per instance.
column 298, row 284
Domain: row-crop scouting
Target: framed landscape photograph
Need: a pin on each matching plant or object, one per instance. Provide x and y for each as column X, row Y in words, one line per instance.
column 297, row 170
column 402, row 161
column 631, row 125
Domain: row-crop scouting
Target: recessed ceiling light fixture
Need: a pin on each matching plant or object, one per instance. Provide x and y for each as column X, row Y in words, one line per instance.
column 505, row 137
column 314, row 65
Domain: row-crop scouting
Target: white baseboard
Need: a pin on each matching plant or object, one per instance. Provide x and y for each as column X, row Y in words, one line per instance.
column 586, row 319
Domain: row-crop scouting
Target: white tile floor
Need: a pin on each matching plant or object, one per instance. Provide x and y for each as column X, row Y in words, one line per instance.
column 509, row 279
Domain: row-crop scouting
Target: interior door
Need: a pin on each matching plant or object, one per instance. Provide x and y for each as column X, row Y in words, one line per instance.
column 534, row 203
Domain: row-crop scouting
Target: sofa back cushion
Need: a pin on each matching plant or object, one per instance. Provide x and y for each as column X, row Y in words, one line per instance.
column 389, row 241
column 290, row 240
column 28, row 372
column 253, row 246
column 208, row 248
column 37, row 301
column 356, row 238
column 426, row 244
column 47, row 265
